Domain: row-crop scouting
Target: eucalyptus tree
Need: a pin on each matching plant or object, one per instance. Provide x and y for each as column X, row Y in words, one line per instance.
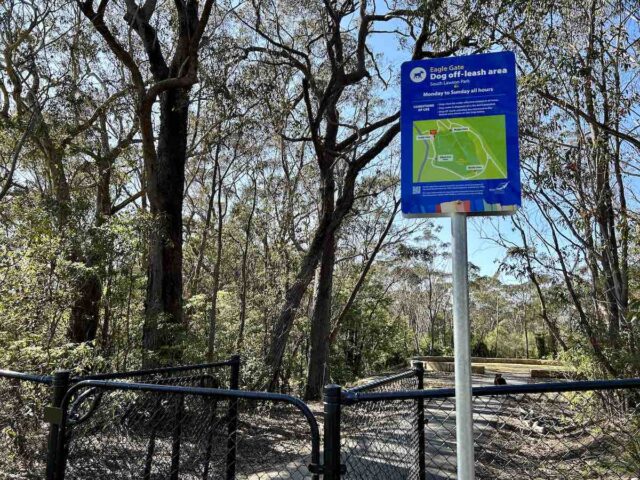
column 423, row 288
column 171, row 39
column 329, row 46
column 59, row 99
column 579, row 104
column 522, row 264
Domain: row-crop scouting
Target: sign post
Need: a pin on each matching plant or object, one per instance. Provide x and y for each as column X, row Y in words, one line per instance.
column 459, row 132
column 462, row 350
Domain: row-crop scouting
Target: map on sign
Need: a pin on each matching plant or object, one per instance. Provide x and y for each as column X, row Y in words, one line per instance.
column 469, row 148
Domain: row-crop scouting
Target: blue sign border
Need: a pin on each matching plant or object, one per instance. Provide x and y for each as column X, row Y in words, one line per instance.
column 471, row 86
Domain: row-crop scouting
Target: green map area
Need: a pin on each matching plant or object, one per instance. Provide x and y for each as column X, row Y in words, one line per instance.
column 469, row 148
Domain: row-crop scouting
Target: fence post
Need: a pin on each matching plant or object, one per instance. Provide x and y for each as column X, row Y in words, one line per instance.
column 422, row 473
column 234, row 384
column 175, row 440
column 53, row 415
column 331, row 398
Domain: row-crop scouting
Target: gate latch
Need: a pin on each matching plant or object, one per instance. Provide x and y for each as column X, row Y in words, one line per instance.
column 320, row 470
column 53, row 415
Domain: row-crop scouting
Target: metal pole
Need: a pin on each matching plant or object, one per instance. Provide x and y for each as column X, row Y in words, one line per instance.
column 61, row 380
column 234, row 384
column 213, row 404
column 464, row 412
column 331, row 399
column 175, row 441
column 422, row 470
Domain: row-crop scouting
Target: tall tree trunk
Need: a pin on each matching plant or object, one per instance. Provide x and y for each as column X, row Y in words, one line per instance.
column 83, row 318
column 327, row 227
column 318, row 369
column 85, row 312
column 583, row 319
column 526, row 334
column 213, row 314
column 544, row 314
column 432, row 334
column 293, row 297
column 363, row 275
column 243, row 271
column 207, row 223
column 497, row 326
column 416, row 333
column 84, row 315
column 165, row 185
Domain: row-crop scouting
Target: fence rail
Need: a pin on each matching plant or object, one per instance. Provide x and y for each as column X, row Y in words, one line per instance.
column 194, row 422
column 407, row 380
column 574, row 386
column 26, row 377
column 162, row 371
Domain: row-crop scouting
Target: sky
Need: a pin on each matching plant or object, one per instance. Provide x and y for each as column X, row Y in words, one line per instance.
column 483, row 252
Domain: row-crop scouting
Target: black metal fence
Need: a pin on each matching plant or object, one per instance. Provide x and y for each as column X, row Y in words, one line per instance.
column 23, row 433
column 572, row 430
column 30, row 413
column 144, row 431
column 381, row 442
column 194, row 423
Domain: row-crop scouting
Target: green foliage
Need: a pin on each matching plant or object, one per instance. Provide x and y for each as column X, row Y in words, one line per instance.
column 479, row 348
column 371, row 339
column 39, row 282
column 251, row 200
column 541, row 346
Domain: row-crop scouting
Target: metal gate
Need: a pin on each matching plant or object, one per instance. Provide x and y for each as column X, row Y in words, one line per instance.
column 133, row 431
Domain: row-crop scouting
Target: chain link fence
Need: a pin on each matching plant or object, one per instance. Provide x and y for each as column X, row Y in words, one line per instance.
column 23, row 432
column 379, row 442
column 179, row 423
column 576, row 430
column 25, row 400
column 144, row 431
column 588, row 434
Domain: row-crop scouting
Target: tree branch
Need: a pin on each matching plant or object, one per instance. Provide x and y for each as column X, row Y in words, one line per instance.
column 92, row 119
column 116, row 208
column 97, row 19
column 363, row 274
column 589, row 118
column 347, row 142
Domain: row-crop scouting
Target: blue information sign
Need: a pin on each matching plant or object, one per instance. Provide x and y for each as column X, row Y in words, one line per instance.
column 459, row 130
